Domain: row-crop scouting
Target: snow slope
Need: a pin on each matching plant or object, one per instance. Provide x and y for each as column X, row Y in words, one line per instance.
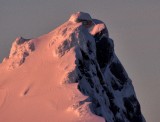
column 58, row 77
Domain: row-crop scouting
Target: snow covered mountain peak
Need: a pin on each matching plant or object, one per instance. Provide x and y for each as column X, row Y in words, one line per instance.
column 71, row 74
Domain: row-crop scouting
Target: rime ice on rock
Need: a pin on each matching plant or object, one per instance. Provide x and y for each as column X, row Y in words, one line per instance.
column 99, row 27
column 21, row 48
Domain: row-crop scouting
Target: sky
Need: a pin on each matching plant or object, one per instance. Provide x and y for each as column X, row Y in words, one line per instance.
column 132, row 24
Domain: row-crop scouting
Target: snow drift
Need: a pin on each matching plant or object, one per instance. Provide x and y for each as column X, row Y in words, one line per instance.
column 68, row 75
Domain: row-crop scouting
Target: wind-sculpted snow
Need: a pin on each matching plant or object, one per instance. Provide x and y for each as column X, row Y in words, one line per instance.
column 21, row 48
column 73, row 75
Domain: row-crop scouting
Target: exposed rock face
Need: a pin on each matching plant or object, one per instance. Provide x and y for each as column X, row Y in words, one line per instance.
column 104, row 79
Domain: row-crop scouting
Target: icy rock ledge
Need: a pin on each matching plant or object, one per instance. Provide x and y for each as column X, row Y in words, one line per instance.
column 21, row 48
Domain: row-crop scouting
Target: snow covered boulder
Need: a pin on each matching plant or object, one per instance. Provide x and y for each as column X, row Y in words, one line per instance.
column 80, row 16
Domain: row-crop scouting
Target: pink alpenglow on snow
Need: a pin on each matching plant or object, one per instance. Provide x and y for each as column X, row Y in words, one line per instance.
column 71, row 74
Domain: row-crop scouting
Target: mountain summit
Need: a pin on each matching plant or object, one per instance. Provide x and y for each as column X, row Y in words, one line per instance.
column 71, row 74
